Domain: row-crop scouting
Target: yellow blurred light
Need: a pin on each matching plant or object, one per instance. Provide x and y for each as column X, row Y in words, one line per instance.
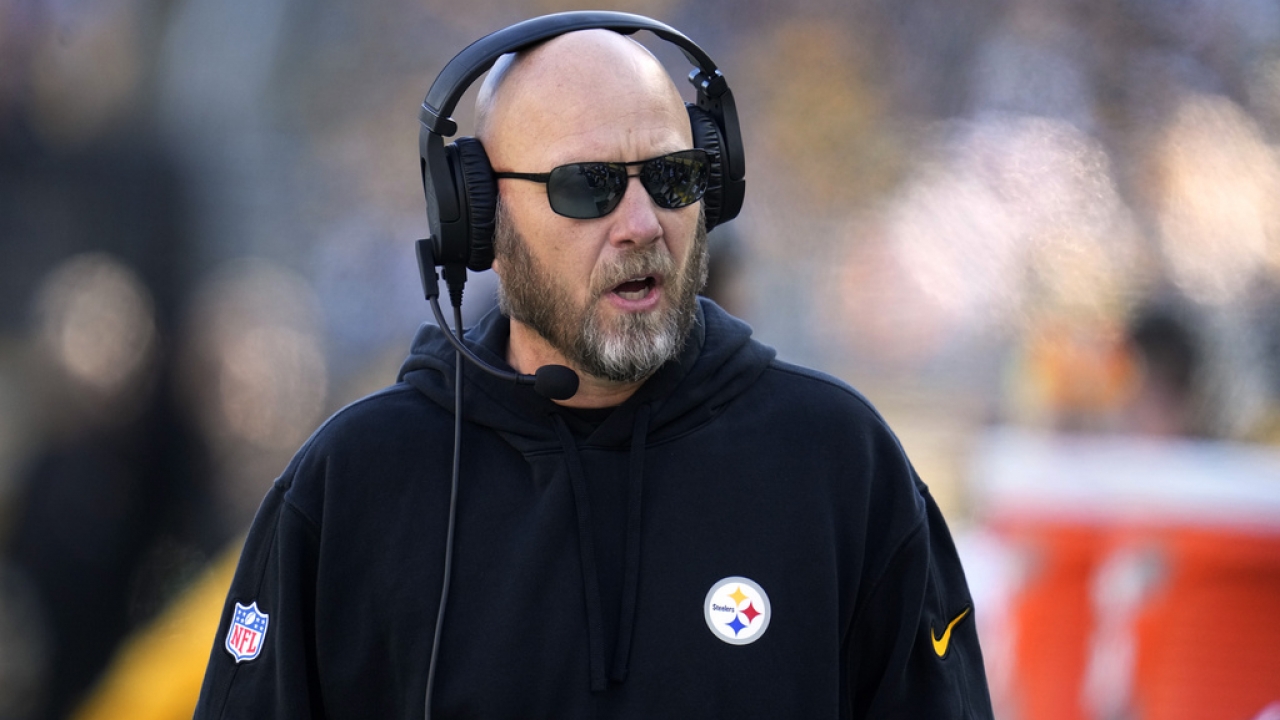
column 259, row 372
column 271, row 384
column 958, row 244
column 1218, row 207
column 1014, row 212
column 97, row 320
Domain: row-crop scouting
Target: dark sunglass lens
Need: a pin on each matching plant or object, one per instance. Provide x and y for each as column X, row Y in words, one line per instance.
column 676, row 180
column 586, row 190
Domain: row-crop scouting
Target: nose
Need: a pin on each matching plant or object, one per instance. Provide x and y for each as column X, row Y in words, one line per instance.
column 635, row 220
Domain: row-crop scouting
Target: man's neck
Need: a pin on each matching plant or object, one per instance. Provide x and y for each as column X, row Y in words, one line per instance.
column 527, row 351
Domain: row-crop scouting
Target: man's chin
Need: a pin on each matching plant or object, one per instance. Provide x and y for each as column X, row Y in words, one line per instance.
column 630, row 347
column 633, row 325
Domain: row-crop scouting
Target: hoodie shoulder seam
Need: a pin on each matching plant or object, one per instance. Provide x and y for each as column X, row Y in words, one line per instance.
column 286, row 480
column 848, row 390
column 828, row 380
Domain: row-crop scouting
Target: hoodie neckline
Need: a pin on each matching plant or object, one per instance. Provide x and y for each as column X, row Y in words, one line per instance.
column 718, row 361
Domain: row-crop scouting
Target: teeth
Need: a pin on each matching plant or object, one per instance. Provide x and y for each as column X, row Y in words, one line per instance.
column 643, row 288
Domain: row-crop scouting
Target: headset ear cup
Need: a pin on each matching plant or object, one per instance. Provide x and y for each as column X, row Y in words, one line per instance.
column 480, row 190
column 706, row 136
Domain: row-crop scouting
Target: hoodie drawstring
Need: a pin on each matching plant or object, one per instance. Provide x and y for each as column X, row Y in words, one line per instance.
column 587, row 553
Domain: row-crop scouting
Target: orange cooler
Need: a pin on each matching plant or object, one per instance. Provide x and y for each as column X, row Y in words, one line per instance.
column 1142, row 577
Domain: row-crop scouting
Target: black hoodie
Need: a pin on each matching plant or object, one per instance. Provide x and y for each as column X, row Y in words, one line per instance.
column 741, row 538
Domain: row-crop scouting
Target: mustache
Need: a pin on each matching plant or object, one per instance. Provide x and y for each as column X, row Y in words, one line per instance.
column 636, row 263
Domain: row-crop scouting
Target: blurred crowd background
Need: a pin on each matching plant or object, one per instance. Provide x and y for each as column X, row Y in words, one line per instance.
column 1043, row 236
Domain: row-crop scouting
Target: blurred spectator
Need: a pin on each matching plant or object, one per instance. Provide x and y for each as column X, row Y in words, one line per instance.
column 1166, row 398
column 1144, row 378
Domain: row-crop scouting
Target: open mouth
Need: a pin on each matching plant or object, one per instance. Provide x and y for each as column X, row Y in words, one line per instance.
column 636, row 288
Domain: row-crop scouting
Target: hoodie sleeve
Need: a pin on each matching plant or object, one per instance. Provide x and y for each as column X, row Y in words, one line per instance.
column 263, row 658
column 913, row 648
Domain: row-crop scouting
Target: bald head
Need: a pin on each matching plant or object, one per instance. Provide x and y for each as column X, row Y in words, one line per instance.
column 570, row 93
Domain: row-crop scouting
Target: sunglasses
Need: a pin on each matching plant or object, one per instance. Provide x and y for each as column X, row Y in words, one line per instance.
column 588, row 190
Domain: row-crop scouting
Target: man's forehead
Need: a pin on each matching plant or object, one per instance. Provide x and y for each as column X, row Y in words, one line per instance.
column 590, row 63
column 587, row 85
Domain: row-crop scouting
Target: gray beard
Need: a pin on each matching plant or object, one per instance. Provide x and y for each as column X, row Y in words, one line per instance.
column 627, row 350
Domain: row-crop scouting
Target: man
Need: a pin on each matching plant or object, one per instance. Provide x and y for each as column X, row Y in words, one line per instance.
column 701, row 531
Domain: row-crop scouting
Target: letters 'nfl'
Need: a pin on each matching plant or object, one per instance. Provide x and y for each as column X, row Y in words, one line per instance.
column 248, row 630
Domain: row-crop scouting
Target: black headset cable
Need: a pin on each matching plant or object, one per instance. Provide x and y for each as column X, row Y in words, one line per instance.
column 453, row 501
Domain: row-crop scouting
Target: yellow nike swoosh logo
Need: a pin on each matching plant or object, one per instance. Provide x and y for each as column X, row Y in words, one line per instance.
column 940, row 643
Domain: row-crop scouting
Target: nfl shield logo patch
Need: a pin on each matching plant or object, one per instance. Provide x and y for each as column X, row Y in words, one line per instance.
column 248, row 630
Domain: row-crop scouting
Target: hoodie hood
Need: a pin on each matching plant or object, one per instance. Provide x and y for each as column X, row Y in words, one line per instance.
column 719, row 360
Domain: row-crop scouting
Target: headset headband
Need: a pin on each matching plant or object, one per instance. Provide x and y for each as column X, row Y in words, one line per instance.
column 480, row 55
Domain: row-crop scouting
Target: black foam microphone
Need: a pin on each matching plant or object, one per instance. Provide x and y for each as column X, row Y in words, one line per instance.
column 555, row 382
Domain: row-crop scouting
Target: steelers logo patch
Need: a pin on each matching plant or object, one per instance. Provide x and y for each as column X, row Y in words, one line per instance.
column 737, row 610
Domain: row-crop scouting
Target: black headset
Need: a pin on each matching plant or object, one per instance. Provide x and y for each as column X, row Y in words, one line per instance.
column 458, row 181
